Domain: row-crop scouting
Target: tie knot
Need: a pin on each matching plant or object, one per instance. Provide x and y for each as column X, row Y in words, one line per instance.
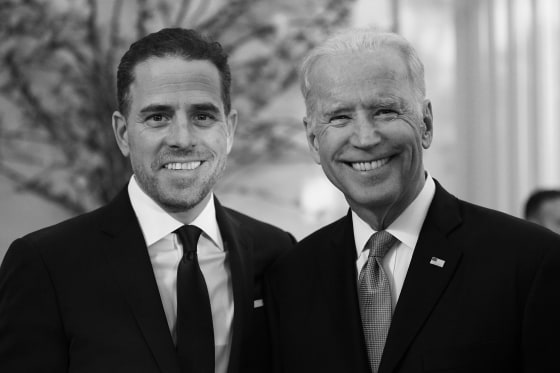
column 188, row 235
column 381, row 242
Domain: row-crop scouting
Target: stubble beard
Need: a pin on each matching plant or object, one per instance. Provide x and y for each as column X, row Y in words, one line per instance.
column 173, row 199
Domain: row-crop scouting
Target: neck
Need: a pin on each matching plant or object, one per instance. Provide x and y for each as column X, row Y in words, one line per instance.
column 381, row 216
column 378, row 219
column 187, row 216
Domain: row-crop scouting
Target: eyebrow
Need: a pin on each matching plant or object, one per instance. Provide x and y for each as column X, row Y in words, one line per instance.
column 156, row 108
column 206, row 107
column 337, row 111
column 388, row 100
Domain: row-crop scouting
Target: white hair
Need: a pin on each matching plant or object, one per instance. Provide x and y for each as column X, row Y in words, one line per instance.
column 364, row 40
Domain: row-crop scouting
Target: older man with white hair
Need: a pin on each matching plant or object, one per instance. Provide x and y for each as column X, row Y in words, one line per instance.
column 412, row 279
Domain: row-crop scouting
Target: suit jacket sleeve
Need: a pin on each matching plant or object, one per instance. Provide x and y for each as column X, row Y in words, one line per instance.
column 31, row 333
column 541, row 327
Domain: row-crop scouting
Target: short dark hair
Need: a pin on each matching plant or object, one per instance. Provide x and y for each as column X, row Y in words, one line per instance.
column 177, row 42
column 537, row 199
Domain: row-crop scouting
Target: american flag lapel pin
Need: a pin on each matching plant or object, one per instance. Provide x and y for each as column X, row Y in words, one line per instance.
column 437, row 262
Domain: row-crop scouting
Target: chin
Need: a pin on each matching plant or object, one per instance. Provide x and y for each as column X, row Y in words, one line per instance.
column 180, row 198
column 374, row 197
column 177, row 204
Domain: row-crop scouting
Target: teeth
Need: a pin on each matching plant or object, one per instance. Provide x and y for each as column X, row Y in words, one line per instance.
column 183, row 166
column 368, row 166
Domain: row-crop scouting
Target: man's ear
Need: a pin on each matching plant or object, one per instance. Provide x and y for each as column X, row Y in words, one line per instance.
column 231, row 125
column 312, row 139
column 428, row 124
column 120, row 129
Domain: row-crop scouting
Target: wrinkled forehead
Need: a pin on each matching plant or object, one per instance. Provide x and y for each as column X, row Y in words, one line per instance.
column 353, row 77
column 165, row 79
column 175, row 72
column 353, row 68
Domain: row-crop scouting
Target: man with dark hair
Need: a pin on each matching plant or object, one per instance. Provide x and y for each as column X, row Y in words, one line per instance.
column 412, row 279
column 163, row 278
column 543, row 207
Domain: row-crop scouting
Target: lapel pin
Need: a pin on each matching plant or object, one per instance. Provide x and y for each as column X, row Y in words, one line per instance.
column 437, row 262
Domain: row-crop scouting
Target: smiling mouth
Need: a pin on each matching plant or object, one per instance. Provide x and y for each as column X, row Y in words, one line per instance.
column 368, row 166
column 182, row 166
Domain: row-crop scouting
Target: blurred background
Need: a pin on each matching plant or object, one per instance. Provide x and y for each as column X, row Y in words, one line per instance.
column 492, row 72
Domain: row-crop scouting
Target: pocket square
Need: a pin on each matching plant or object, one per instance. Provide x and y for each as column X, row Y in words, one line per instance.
column 258, row 303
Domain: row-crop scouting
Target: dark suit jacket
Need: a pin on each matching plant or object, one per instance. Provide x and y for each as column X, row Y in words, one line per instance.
column 493, row 307
column 81, row 296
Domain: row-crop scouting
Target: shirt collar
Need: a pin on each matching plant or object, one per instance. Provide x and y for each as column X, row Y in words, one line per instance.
column 406, row 227
column 156, row 223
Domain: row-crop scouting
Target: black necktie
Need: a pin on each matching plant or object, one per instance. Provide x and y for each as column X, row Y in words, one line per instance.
column 195, row 332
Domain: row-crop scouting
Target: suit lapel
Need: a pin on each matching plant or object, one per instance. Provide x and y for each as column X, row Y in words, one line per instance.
column 239, row 249
column 425, row 282
column 337, row 283
column 130, row 263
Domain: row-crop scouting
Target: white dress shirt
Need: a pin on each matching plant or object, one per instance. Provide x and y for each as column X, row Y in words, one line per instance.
column 406, row 228
column 165, row 250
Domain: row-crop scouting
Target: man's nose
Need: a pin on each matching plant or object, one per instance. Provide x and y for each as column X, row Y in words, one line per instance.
column 365, row 132
column 181, row 133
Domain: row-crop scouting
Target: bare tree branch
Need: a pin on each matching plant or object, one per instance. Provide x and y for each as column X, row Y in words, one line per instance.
column 57, row 71
column 92, row 31
column 144, row 16
column 34, row 186
column 217, row 25
column 184, row 8
column 114, row 28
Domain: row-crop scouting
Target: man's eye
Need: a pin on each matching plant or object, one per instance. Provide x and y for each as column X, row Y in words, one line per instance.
column 202, row 117
column 339, row 118
column 156, row 117
column 157, row 120
column 386, row 114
